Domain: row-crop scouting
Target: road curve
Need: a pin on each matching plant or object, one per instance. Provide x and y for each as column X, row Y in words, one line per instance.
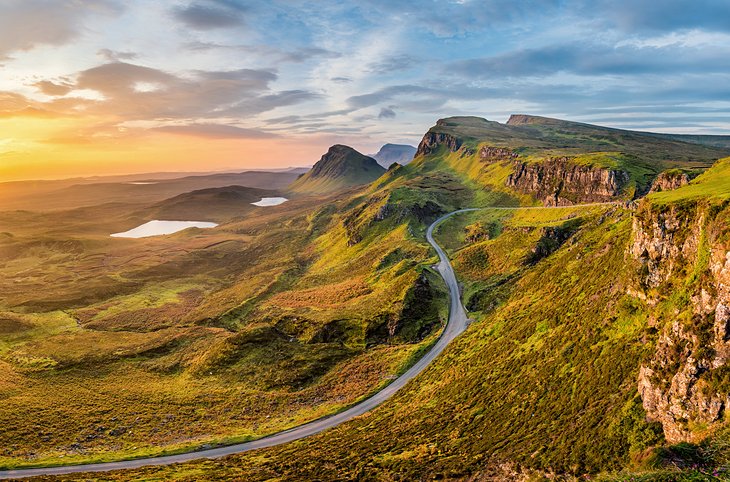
column 456, row 324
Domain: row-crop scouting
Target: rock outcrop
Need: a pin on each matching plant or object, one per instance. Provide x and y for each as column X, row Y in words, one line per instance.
column 558, row 181
column 685, row 271
column 496, row 154
column 669, row 181
column 433, row 140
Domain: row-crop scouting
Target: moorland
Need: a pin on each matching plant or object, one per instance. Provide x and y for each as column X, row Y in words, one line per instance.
column 599, row 341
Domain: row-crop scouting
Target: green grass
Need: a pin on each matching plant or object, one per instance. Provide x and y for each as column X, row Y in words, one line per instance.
column 236, row 332
column 544, row 381
column 714, row 184
column 289, row 315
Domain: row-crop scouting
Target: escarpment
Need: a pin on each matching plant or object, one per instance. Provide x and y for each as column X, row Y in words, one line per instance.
column 669, row 181
column 558, row 181
column 494, row 154
column 684, row 253
column 433, row 140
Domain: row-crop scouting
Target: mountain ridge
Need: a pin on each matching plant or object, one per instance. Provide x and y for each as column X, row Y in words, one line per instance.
column 340, row 167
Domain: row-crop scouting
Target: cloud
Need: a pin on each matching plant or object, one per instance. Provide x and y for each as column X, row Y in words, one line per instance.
column 458, row 18
column 139, row 92
column 388, row 93
column 386, row 113
column 269, row 102
column 25, row 24
column 649, row 15
column 271, row 54
column 392, row 64
column 54, row 89
column 115, row 56
column 210, row 15
column 594, row 59
column 17, row 105
column 216, row 131
column 116, row 79
column 139, row 98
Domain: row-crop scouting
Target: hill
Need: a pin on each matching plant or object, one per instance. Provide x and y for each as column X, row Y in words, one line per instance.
column 557, row 162
column 72, row 194
column 339, row 168
column 213, row 204
column 394, row 153
column 599, row 341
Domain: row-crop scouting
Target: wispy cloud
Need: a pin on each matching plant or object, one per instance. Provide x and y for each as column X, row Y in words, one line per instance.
column 216, row 131
column 361, row 72
column 25, row 24
column 211, row 14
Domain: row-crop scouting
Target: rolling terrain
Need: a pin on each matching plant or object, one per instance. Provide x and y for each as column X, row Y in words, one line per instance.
column 598, row 343
column 72, row 194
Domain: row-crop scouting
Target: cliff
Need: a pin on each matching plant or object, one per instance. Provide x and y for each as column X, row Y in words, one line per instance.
column 433, row 140
column 560, row 182
column 669, row 181
column 684, row 253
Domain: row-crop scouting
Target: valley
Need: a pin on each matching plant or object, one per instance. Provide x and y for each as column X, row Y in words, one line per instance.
column 590, row 261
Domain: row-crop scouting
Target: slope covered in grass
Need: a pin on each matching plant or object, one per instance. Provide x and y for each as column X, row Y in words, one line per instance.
column 202, row 337
column 560, row 155
column 546, row 379
column 339, row 168
column 543, row 381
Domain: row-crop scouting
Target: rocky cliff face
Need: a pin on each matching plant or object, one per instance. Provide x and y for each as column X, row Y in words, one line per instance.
column 685, row 275
column 496, row 154
column 433, row 140
column 559, row 182
column 669, row 181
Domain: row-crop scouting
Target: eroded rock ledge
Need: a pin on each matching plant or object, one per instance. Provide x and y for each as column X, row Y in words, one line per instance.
column 558, row 181
column 685, row 273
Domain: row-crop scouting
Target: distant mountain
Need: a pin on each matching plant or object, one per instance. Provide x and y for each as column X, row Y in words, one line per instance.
column 390, row 153
column 213, row 204
column 717, row 141
column 341, row 167
column 59, row 195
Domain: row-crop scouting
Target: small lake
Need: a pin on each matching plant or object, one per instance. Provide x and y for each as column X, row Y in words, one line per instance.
column 143, row 183
column 270, row 201
column 158, row 228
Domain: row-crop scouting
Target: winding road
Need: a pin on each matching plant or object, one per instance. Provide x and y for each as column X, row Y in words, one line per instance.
column 456, row 324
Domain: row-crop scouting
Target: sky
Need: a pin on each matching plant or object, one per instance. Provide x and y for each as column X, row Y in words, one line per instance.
column 90, row 87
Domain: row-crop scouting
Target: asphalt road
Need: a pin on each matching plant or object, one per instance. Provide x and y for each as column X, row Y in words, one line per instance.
column 455, row 325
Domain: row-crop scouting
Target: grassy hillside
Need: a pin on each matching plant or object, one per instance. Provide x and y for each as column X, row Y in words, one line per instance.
column 202, row 337
column 545, row 380
column 487, row 151
column 300, row 310
column 213, row 204
column 341, row 167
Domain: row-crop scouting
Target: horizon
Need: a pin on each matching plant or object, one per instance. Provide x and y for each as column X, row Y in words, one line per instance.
column 104, row 87
column 255, row 167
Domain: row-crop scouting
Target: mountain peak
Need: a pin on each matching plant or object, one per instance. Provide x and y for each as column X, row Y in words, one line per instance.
column 340, row 167
column 394, row 153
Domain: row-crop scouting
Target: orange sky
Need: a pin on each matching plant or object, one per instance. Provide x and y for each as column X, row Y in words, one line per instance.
column 94, row 87
column 42, row 147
